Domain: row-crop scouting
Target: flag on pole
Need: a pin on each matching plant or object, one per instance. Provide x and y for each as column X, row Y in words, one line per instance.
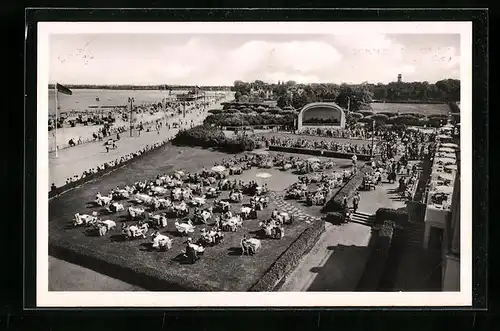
column 63, row 89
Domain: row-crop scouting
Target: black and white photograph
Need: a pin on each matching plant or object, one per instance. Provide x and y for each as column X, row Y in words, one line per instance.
column 254, row 164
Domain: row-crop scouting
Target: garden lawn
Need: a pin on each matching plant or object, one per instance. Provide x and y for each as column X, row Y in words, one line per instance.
column 222, row 268
column 422, row 108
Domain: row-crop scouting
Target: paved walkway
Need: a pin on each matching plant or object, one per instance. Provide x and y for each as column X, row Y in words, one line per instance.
column 335, row 263
column 75, row 160
column 337, row 260
column 384, row 196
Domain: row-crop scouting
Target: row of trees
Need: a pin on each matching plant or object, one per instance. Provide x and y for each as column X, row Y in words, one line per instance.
column 353, row 96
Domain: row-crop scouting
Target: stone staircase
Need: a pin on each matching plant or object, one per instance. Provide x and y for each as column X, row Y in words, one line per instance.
column 363, row 218
column 289, row 208
column 414, row 234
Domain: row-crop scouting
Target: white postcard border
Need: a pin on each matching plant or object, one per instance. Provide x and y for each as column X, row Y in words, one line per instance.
column 46, row 298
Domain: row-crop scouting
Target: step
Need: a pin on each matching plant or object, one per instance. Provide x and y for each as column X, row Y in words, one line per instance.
column 363, row 216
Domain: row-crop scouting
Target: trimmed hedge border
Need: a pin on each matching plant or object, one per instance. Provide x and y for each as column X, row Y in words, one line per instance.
column 454, row 107
column 335, row 203
column 377, row 262
column 98, row 174
column 286, row 262
column 318, row 152
column 388, row 278
column 399, row 217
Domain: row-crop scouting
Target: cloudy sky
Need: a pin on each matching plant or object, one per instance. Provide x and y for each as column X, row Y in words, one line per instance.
column 222, row 59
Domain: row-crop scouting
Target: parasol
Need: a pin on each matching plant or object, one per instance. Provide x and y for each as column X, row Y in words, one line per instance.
column 263, row 175
column 261, row 152
column 313, row 160
column 219, row 168
column 445, row 159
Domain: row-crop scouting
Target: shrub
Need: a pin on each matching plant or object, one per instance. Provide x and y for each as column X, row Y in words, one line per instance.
column 290, row 258
column 418, row 115
column 216, row 111
column 379, row 117
column 406, row 120
column 377, row 264
column 249, row 119
column 365, row 112
column 438, row 116
column 388, row 113
column 207, row 136
column 454, row 107
column 335, row 218
column 348, row 190
column 366, row 120
column 388, row 214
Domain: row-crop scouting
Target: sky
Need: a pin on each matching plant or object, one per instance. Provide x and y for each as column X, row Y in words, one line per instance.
column 220, row 59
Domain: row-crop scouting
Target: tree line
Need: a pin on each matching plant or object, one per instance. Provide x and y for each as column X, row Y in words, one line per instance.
column 354, row 97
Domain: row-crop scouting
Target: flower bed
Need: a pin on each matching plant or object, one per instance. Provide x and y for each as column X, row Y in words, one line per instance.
column 318, row 152
column 285, row 264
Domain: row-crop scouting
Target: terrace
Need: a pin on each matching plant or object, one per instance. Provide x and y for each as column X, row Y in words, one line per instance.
column 221, row 268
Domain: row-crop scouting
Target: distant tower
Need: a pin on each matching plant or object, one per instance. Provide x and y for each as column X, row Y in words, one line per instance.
column 400, row 77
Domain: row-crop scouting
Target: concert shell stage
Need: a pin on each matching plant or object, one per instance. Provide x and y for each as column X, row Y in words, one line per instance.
column 321, row 115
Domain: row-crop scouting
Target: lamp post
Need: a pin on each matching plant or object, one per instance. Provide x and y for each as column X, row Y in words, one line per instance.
column 373, row 136
column 131, row 102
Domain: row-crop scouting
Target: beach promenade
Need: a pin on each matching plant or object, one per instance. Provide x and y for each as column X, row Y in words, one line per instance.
column 75, row 160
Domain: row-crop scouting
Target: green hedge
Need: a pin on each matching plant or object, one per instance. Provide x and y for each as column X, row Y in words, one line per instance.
column 335, row 203
column 231, row 119
column 388, row 214
column 210, row 137
column 388, row 113
column 454, row 107
column 334, row 218
column 285, row 264
column 376, row 266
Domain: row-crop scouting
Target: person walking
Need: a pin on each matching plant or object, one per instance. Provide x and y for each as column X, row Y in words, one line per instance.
column 355, row 202
column 345, row 203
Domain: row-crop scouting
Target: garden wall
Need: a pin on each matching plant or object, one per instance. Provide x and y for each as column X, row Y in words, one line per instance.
column 286, row 263
column 319, row 152
column 334, row 204
column 377, row 263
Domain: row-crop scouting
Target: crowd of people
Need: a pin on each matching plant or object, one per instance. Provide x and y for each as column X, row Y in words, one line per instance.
column 107, row 129
column 361, row 149
column 112, row 164
column 347, row 133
